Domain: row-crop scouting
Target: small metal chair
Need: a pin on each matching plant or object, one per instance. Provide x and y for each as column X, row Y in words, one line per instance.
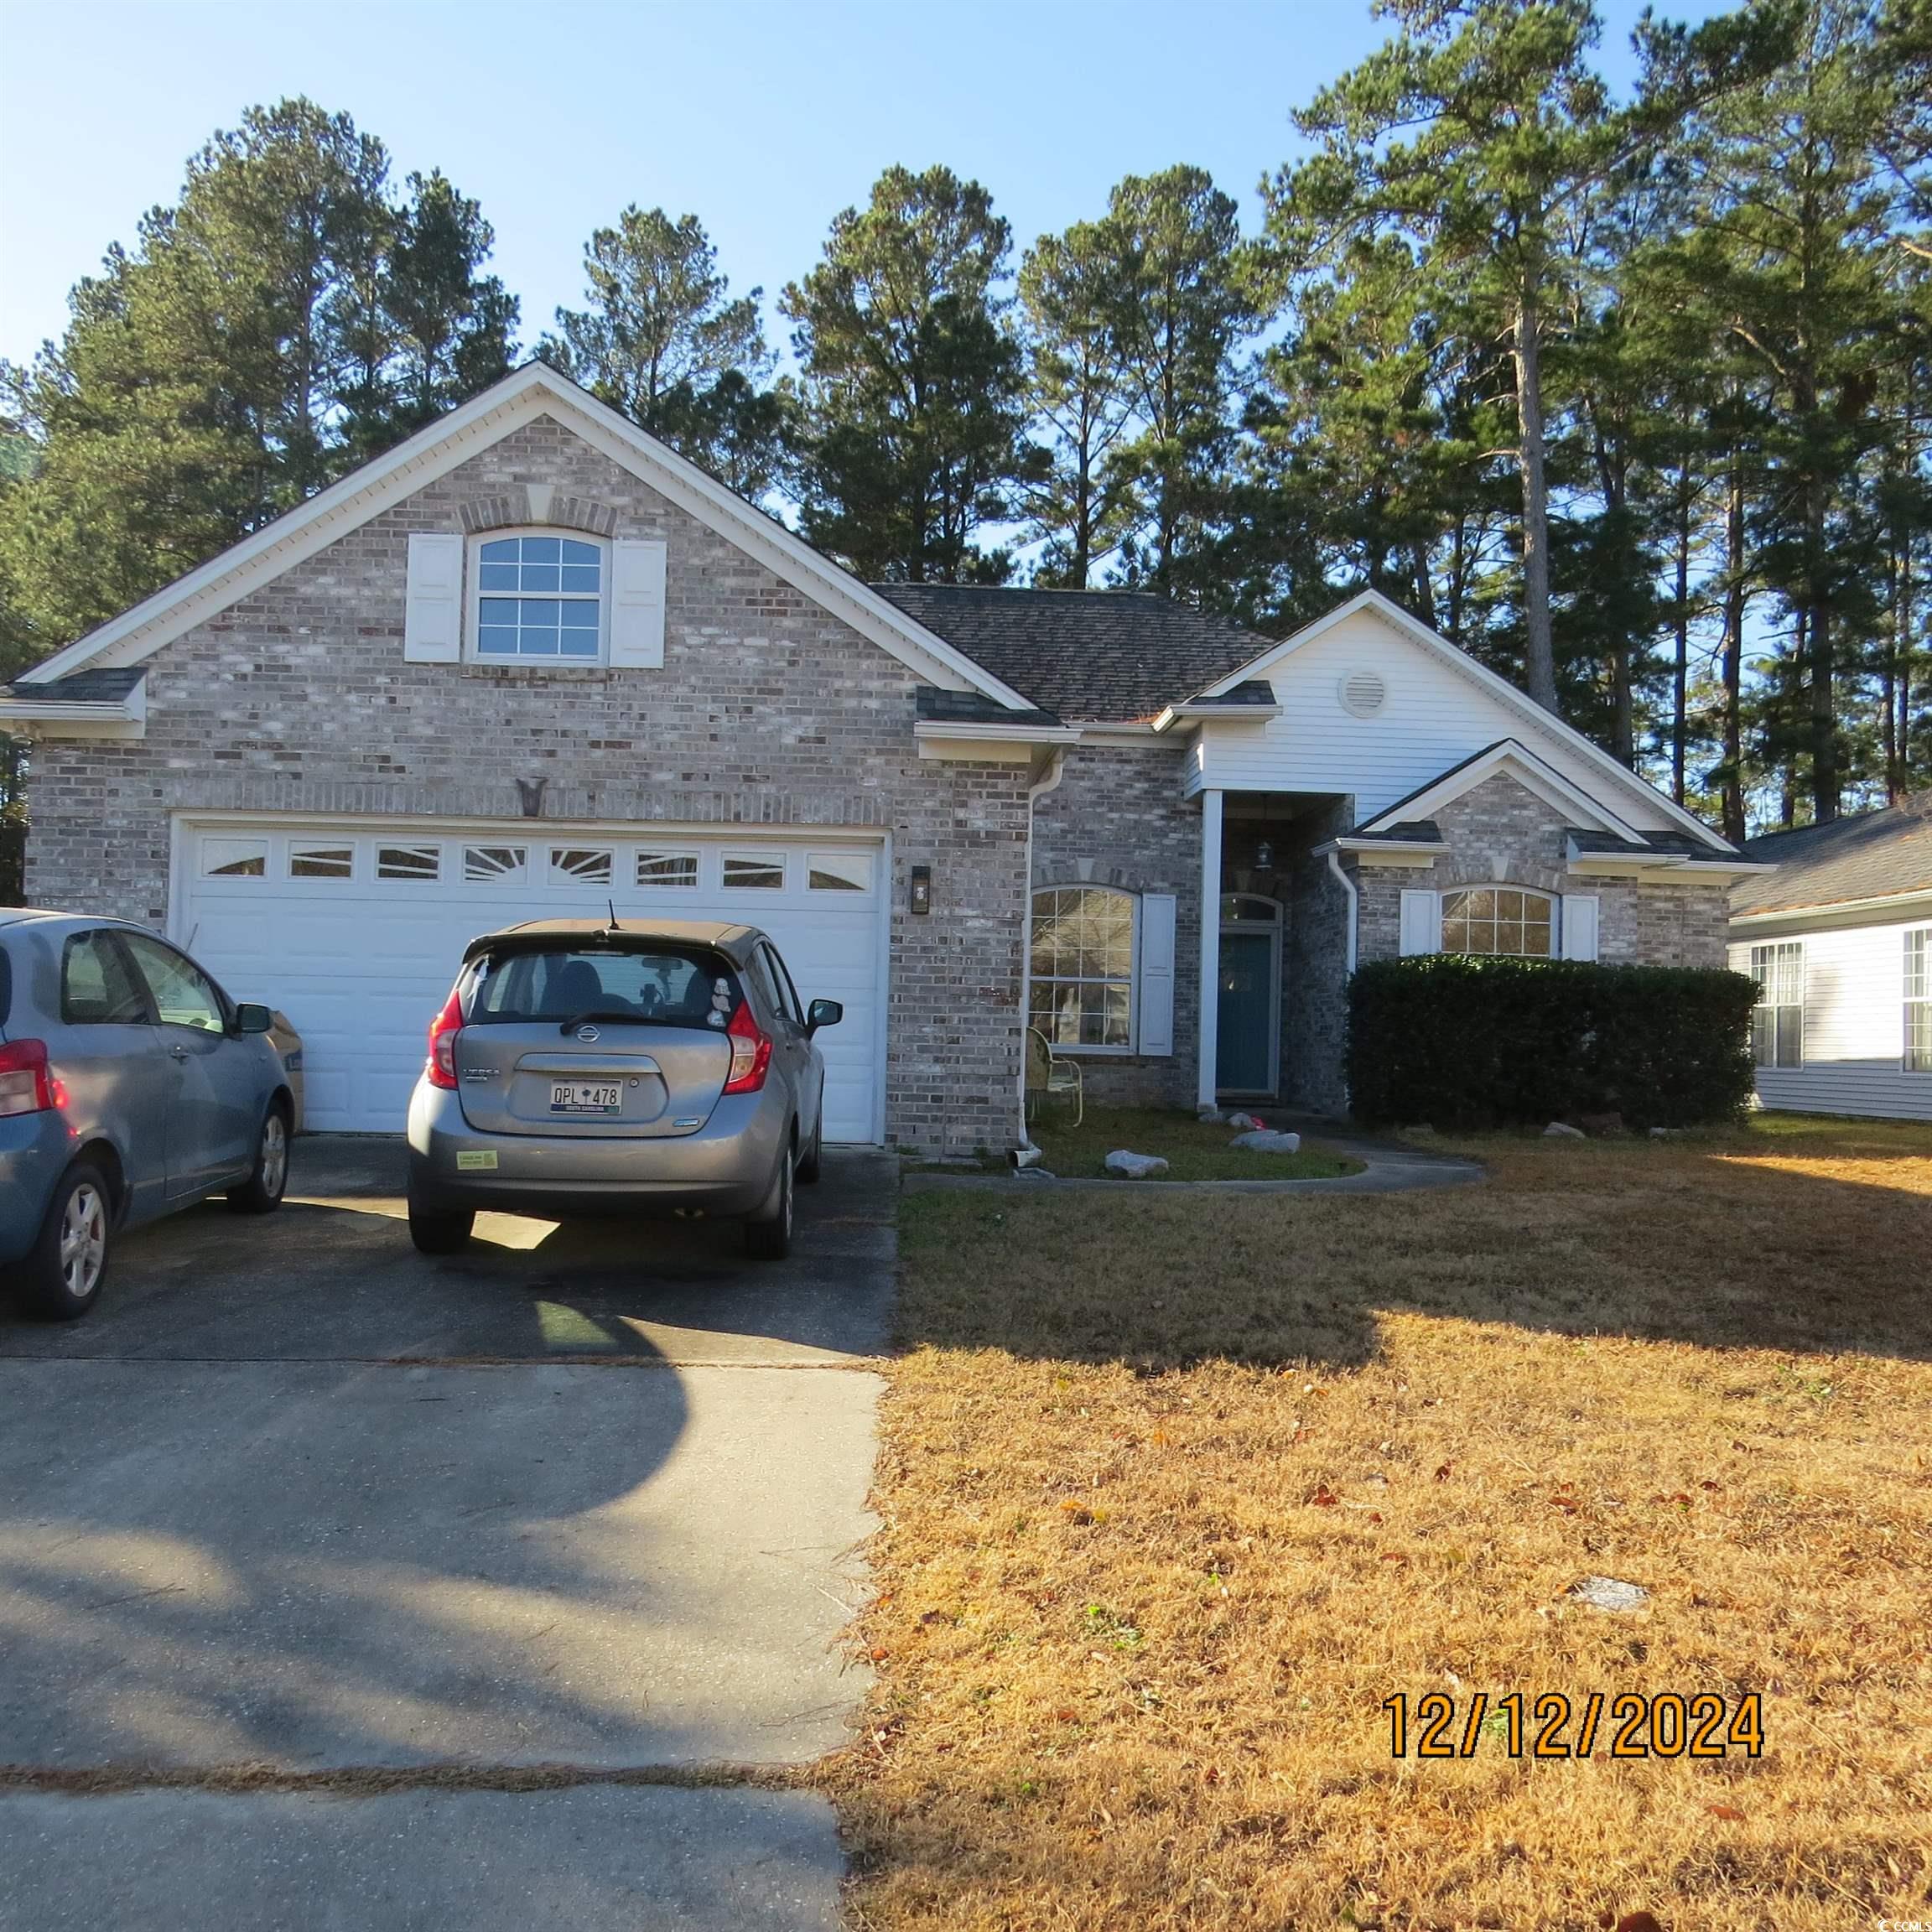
column 1048, row 1073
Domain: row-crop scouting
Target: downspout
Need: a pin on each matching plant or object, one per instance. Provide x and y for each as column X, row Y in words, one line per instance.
column 1347, row 884
column 1024, row 1154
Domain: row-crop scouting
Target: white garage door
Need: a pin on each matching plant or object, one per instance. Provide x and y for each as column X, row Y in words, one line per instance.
column 355, row 931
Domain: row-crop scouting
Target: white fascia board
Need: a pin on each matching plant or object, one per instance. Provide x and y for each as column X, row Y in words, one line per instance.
column 1498, row 687
column 52, row 720
column 1366, row 844
column 526, row 393
column 987, row 732
column 1197, row 714
column 1105, row 731
column 1550, row 786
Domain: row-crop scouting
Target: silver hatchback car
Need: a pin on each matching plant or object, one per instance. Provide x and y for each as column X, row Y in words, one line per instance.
column 580, row 1069
column 131, row 1085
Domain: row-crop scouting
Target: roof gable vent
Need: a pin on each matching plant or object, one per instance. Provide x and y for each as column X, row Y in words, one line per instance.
column 1364, row 692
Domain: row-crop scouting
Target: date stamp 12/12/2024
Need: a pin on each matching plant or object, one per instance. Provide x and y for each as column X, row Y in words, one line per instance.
column 1669, row 1724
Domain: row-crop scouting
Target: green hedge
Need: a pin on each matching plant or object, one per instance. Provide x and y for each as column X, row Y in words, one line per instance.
column 1455, row 1041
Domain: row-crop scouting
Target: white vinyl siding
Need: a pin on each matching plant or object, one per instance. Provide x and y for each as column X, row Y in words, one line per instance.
column 1854, row 1028
column 1433, row 718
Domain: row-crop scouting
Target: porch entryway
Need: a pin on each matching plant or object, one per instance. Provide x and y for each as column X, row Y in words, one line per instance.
column 1274, row 953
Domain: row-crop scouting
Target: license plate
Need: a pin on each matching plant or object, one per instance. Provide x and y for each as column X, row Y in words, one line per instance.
column 579, row 1096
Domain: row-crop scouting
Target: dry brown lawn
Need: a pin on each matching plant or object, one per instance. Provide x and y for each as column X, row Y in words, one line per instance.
column 1177, row 1491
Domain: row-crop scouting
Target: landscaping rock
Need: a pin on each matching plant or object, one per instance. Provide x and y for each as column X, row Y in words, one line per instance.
column 1265, row 1140
column 1135, row 1166
column 1244, row 1120
column 1610, row 1593
column 1424, row 1133
column 1562, row 1130
column 1210, row 1116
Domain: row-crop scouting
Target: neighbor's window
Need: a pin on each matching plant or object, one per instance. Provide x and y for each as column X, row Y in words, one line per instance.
column 1919, row 1000
column 1497, row 919
column 1082, row 979
column 1777, row 1024
column 540, row 599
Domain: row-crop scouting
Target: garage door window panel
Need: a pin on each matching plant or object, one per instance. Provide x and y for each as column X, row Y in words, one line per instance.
column 839, row 872
column 321, row 861
column 235, row 858
column 754, row 872
column 580, row 864
column 491, row 864
column 539, row 599
column 420, row 863
column 675, row 869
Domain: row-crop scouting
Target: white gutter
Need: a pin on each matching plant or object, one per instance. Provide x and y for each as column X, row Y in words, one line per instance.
column 984, row 731
column 1055, row 770
column 1347, row 887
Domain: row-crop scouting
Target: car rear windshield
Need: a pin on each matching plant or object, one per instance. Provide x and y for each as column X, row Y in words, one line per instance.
column 659, row 988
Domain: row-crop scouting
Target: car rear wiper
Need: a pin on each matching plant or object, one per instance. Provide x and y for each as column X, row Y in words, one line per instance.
column 577, row 1019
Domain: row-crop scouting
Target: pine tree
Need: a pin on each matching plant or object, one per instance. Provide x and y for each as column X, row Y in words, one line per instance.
column 913, row 430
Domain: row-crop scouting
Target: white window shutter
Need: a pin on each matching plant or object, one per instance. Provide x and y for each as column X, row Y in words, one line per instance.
column 1421, row 922
column 433, row 603
column 1156, row 988
column 637, row 604
column 1580, row 911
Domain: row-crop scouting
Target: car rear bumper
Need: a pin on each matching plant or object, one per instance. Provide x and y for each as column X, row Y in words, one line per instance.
column 725, row 1168
column 34, row 1150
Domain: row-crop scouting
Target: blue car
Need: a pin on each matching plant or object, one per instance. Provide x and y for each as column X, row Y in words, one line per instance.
column 131, row 1085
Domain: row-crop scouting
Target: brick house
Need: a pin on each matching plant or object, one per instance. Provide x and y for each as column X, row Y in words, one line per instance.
column 531, row 662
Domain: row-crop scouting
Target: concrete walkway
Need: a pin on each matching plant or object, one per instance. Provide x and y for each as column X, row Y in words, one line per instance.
column 295, row 1496
column 1388, row 1167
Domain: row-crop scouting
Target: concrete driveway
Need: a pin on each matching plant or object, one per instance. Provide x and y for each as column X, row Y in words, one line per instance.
column 296, row 1498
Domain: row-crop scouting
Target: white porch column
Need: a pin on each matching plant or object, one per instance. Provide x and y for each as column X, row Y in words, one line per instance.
column 1208, row 1026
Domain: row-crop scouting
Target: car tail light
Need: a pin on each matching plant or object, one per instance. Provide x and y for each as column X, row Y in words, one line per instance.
column 26, row 1084
column 750, row 1052
column 440, row 1067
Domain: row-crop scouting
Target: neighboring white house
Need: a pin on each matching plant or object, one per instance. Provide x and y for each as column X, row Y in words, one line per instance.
column 1839, row 939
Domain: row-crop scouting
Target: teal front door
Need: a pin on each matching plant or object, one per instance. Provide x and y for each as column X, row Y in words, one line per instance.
column 1244, row 1035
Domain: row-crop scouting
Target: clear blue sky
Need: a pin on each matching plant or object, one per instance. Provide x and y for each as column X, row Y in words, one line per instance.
column 764, row 120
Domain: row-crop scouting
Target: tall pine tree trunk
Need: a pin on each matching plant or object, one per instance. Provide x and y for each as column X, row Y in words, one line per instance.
column 1733, row 654
column 1680, row 664
column 1541, row 655
column 1823, row 698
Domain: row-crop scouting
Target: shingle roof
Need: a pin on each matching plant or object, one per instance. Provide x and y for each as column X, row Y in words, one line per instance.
column 1872, row 855
column 971, row 708
column 1093, row 655
column 103, row 685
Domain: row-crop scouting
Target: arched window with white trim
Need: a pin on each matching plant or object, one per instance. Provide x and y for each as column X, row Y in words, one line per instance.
column 539, row 597
column 1509, row 920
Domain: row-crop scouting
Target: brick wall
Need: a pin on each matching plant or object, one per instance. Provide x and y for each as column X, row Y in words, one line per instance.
column 1501, row 833
column 1117, row 817
column 768, row 711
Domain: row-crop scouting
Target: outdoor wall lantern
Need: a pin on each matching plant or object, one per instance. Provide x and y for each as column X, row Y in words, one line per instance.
column 921, row 894
column 1264, row 856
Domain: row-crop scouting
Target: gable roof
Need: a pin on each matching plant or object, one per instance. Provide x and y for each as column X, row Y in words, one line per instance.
column 1102, row 656
column 1880, row 855
column 532, row 391
column 1507, row 755
column 1538, row 722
